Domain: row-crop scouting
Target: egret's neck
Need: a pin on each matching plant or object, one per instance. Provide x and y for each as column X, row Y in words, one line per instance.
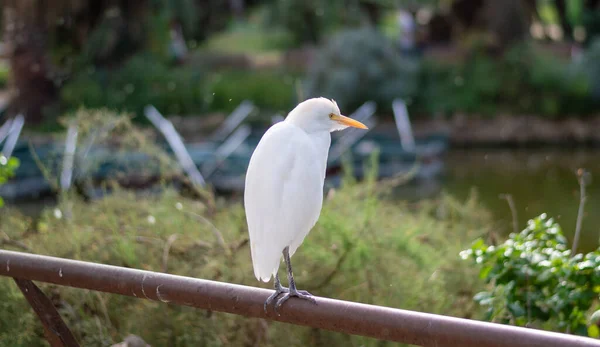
column 321, row 141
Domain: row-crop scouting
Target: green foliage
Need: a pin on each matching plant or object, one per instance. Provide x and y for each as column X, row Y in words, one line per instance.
column 360, row 65
column 7, row 170
column 251, row 36
column 550, row 87
column 105, row 33
column 272, row 90
column 309, row 21
column 591, row 23
column 201, row 18
column 522, row 81
column 363, row 249
column 124, row 62
column 591, row 67
column 242, row 40
column 471, row 87
column 535, row 279
column 143, row 79
column 187, row 12
column 4, row 74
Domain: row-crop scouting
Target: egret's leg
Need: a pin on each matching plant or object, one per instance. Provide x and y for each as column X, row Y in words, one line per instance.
column 279, row 289
column 292, row 291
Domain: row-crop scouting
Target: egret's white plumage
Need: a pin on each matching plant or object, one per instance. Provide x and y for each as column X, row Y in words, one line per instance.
column 284, row 193
column 284, row 182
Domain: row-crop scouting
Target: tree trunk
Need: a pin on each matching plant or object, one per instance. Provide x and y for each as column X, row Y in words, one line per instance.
column 373, row 12
column 25, row 34
column 567, row 28
column 508, row 20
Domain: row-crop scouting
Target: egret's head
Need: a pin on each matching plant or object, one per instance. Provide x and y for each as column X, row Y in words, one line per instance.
column 320, row 114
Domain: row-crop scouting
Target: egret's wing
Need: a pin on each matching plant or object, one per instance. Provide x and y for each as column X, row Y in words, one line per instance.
column 283, row 195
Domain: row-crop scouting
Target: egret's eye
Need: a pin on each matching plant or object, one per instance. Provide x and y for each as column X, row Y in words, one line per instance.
column 331, row 115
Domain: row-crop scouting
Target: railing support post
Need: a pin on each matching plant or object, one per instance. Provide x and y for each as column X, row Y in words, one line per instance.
column 55, row 329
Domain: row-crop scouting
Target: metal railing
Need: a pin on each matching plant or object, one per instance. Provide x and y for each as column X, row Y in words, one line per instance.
column 384, row 323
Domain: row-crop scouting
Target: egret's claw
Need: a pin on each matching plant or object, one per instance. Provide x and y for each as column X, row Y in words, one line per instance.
column 301, row 294
column 280, row 290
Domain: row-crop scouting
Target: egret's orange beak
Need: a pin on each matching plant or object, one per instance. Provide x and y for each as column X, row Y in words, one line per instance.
column 348, row 121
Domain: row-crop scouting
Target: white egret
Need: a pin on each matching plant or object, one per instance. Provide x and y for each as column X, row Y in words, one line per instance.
column 284, row 188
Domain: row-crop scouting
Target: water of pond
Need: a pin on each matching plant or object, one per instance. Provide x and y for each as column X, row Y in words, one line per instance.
column 538, row 180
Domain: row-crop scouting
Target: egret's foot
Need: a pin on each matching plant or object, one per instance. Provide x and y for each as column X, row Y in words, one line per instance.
column 301, row 294
column 278, row 291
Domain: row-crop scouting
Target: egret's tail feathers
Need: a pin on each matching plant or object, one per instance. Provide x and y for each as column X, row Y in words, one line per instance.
column 265, row 264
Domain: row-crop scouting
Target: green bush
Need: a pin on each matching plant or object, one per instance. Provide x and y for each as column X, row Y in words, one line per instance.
column 534, row 279
column 472, row 87
column 8, row 166
column 539, row 83
column 272, row 90
column 363, row 249
column 250, row 36
column 142, row 80
column 360, row 65
column 522, row 81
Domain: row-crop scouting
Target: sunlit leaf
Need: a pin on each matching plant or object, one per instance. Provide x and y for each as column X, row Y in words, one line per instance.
column 593, row 331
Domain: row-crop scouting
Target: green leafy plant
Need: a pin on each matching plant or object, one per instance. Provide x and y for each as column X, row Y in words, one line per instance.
column 8, row 166
column 535, row 279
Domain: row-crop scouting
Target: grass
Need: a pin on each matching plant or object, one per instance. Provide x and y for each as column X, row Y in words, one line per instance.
column 362, row 249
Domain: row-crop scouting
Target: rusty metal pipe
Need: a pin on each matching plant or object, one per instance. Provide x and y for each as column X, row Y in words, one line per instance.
column 347, row 317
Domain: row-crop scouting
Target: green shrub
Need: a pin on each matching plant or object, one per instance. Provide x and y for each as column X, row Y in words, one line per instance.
column 251, row 36
column 541, row 84
column 522, row 81
column 310, row 21
column 272, row 90
column 142, row 80
column 472, row 87
column 534, row 279
column 360, row 65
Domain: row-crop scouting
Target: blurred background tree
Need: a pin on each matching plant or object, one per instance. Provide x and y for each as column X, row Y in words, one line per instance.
column 68, row 53
column 50, row 43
